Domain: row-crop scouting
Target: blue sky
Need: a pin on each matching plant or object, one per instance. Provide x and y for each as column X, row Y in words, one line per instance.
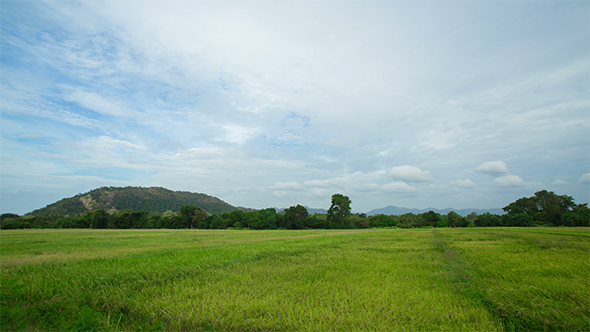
column 272, row 104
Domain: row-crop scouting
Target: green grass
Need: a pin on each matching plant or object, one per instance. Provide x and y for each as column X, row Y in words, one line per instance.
column 536, row 279
column 388, row 280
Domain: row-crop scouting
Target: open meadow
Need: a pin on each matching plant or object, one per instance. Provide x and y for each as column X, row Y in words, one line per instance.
column 468, row 279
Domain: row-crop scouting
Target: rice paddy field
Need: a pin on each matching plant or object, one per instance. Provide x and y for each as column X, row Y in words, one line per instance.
column 469, row 279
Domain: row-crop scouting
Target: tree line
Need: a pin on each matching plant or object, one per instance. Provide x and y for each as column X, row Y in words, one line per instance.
column 545, row 208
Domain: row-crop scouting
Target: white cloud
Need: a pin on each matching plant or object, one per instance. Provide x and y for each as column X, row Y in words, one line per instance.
column 287, row 186
column 36, row 106
column 316, row 184
column 239, row 134
column 494, row 168
column 560, row 183
column 398, row 187
column 233, row 100
column 509, row 181
column 322, row 192
column 95, row 102
column 584, row 178
column 442, row 137
column 467, row 183
column 366, row 187
column 279, row 193
column 410, row 174
column 110, row 143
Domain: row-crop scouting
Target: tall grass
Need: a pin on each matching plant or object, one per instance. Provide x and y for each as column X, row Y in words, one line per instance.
column 390, row 280
column 534, row 280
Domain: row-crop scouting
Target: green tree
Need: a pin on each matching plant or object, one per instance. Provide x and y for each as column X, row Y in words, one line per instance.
column 154, row 221
column 262, row 219
column 171, row 220
column 526, row 205
column 100, row 219
column 213, row 221
column 517, row 220
column 8, row 216
column 429, row 218
column 339, row 210
column 192, row 216
column 380, row 220
column 455, row 220
column 487, row 220
column 357, row 221
column 578, row 216
column 317, row 221
column 237, row 218
column 545, row 207
column 407, row 220
column 295, row 217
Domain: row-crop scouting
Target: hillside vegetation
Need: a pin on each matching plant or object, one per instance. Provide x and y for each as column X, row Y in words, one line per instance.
column 545, row 208
column 152, row 199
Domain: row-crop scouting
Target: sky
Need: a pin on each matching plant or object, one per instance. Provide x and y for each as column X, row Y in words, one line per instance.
column 277, row 103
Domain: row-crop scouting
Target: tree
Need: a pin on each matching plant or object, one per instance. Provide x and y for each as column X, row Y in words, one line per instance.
column 578, row 216
column 100, row 219
column 525, row 205
column 339, row 210
column 122, row 220
column 487, row 220
column 8, row 216
column 407, row 220
column 429, row 218
column 357, row 221
column 295, row 217
column 171, row 220
column 552, row 206
column 317, row 221
column 155, row 221
column 216, row 221
column 545, row 207
column 455, row 220
column 262, row 219
column 380, row 220
column 192, row 216
column 237, row 218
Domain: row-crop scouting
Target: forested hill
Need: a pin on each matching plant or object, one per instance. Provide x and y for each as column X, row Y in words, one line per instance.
column 153, row 199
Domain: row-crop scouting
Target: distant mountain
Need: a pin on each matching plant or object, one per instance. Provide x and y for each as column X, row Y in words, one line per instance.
column 153, row 199
column 309, row 210
column 394, row 210
column 312, row 211
column 157, row 199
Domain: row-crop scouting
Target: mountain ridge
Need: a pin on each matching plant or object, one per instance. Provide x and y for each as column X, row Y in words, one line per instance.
column 395, row 210
column 153, row 199
column 158, row 199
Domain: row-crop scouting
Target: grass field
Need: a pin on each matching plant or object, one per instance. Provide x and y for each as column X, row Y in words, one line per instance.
column 481, row 279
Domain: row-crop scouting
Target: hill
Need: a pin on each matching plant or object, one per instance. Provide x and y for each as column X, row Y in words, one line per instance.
column 394, row 210
column 153, row 199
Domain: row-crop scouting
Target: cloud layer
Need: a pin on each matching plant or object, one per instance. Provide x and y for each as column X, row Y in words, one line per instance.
column 280, row 103
column 494, row 168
